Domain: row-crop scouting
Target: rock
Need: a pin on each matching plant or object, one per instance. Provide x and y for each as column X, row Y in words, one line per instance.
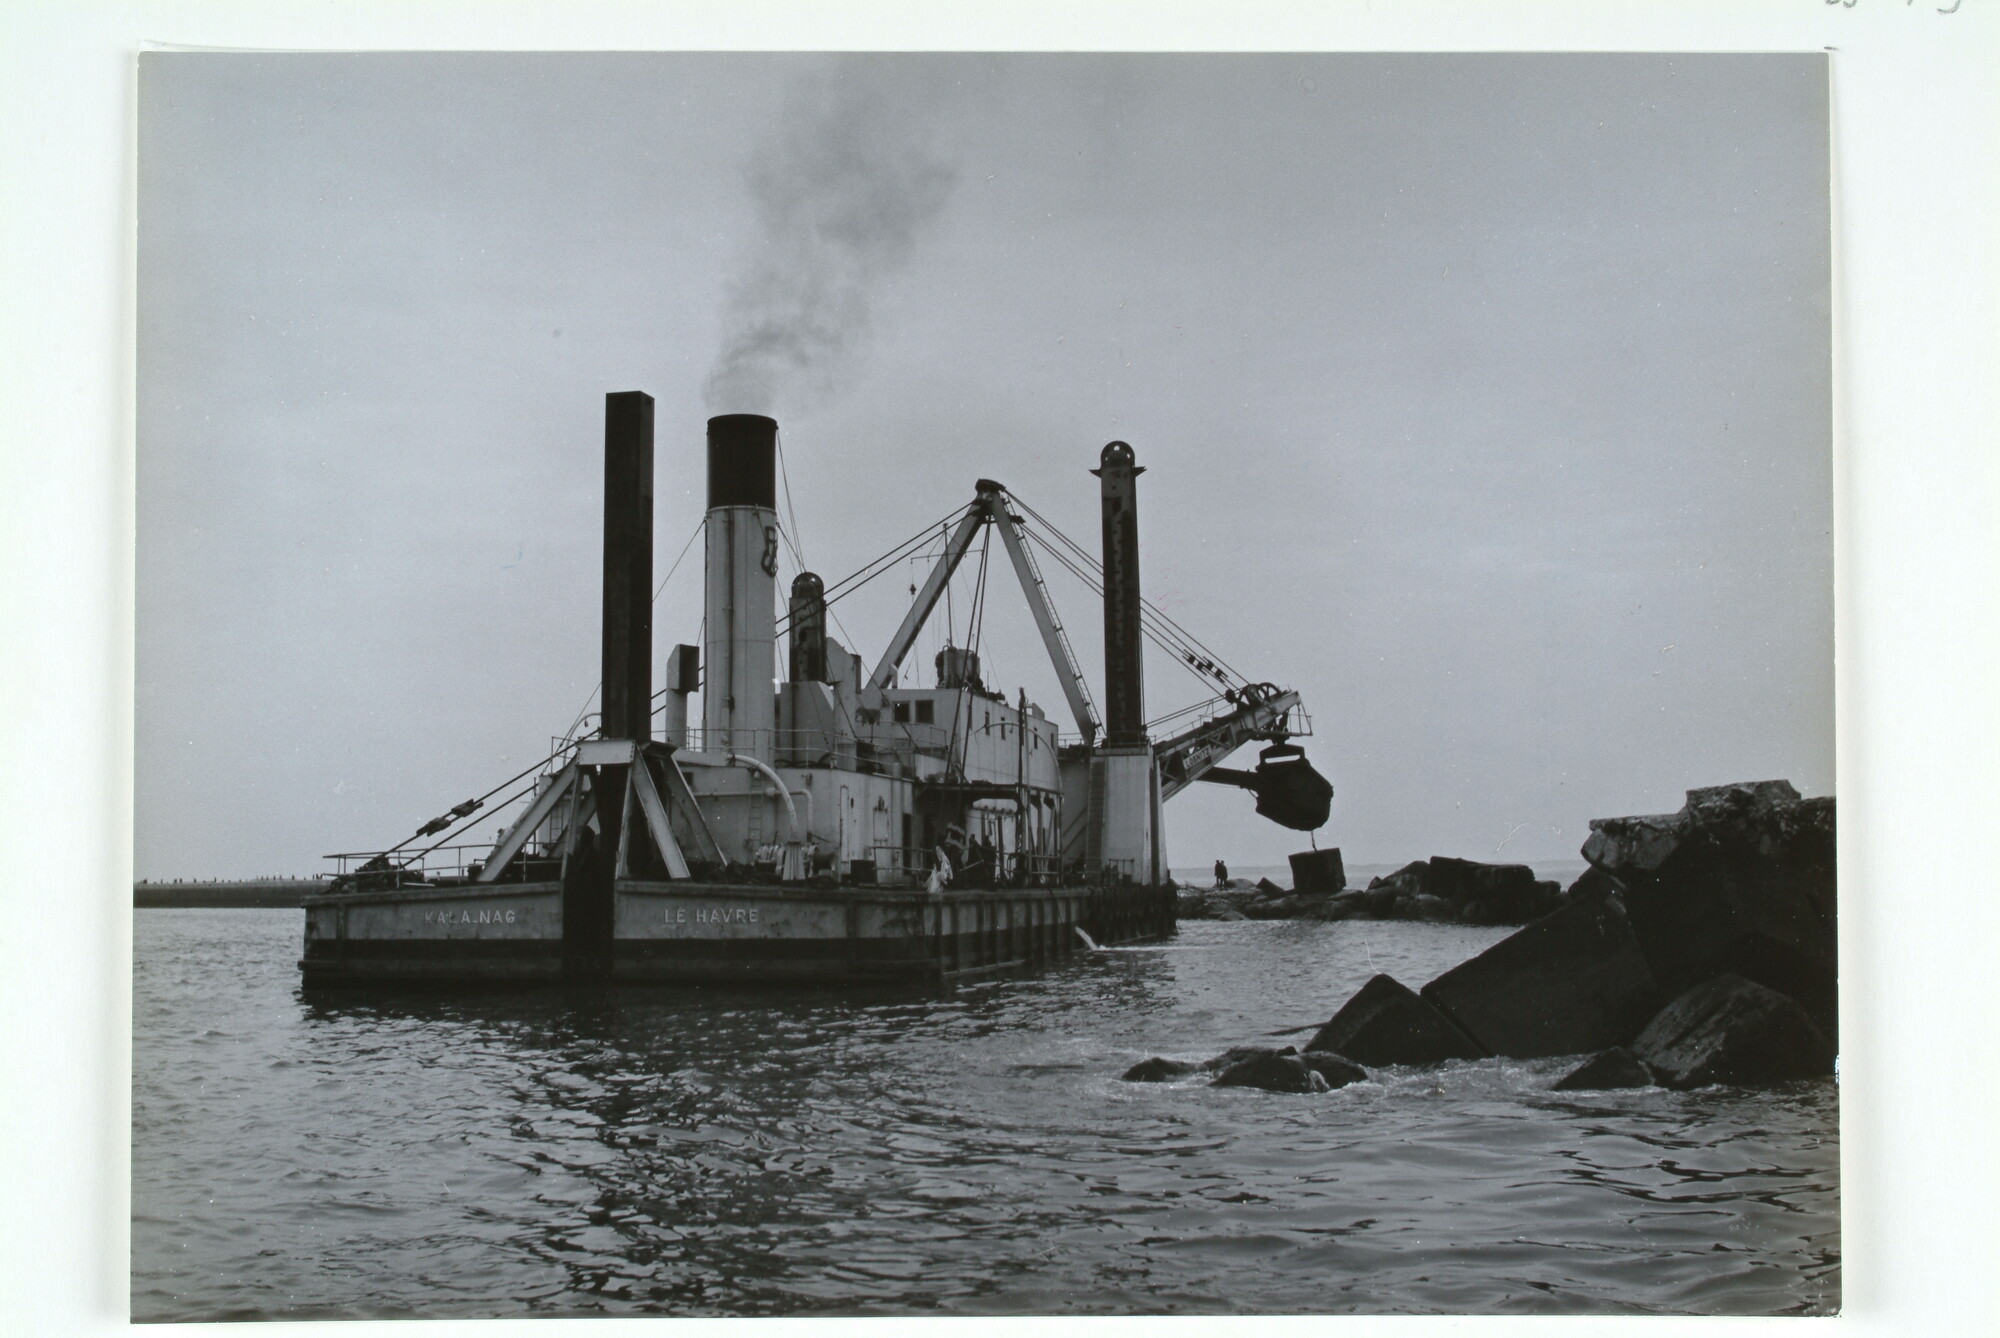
column 1423, row 906
column 1268, row 888
column 1291, row 906
column 1410, row 874
column 1318, row 871
column 1484, row 894
column 1622, row 846
column 1345, row 906
column 1741, row 880
column 1349, row 904
column 1229, row 913
column 1736, row 1031
column 1572, row 981
column 1487, row 894
column 1547, row 897
column 1338, row 1070
column 1593, row 880
column 1157, row 1069
column 1236, row 1054
column 1273, row 1071
column 1616, row 1067
column 1388, row 1023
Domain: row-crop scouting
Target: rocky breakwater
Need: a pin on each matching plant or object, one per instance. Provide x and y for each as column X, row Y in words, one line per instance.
column 1262, row 1067
column 1699, row 948
column 1740, row 880
column 1456, row 891
column 1439, row 889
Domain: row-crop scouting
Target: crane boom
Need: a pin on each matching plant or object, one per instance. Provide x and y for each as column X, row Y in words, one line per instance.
column 913, row 622
column 1184, row 758
column 1053, row 637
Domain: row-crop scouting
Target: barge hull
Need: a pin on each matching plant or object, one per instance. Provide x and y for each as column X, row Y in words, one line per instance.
column 695, row 933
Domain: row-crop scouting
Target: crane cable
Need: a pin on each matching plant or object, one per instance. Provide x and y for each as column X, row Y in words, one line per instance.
column 1147, row 607
column 1182, row 656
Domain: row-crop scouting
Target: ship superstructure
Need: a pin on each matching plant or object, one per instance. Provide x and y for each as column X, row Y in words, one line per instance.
column 823, row 819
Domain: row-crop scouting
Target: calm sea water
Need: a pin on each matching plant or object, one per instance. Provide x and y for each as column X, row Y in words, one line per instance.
column 726, row 1152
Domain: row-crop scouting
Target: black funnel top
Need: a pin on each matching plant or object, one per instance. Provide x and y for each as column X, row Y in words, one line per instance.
column 743, row 461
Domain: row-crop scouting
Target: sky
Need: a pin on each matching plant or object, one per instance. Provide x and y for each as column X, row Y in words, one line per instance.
column 1484, row 400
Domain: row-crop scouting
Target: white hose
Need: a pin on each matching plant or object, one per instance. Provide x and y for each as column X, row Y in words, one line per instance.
column 791, row 809
column 792, row 870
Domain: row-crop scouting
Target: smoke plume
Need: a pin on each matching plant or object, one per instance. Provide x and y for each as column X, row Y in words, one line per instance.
column 842, row 192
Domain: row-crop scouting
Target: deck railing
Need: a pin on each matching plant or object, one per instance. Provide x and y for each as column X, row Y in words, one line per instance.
column 442, row 864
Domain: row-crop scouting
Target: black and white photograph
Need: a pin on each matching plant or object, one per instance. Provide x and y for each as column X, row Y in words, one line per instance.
column 984, row 684
column 916, row 682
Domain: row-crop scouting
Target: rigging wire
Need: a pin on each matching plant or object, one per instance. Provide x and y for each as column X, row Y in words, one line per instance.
column 1181, row 654
column 950, row 619
column 480, row 801
column 779, row 439
column 798, row 559
column 974, row 630
column 1205, row 669
column 1147, row 607
column 699, row 526
column 909, row 548
column 1167, row 631
column 500, row 807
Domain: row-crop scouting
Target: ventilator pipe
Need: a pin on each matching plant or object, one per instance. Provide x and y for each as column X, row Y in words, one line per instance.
column 791, row 810
column 806, row 795
column 792, row 870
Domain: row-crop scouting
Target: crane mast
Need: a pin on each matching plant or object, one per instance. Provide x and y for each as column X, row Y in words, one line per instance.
column 1115, row 780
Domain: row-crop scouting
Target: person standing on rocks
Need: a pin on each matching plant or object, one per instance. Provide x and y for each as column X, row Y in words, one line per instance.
column 1221, row 874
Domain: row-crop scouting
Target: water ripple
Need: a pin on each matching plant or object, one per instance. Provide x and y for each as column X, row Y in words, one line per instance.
column 726, row 1152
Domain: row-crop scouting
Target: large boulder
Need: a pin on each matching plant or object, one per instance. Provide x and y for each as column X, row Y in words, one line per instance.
column 1337, row 1070
column 1736, row 1031
column 1157, row 1069
column 1348, row 905
column 1294, row 906
column 1572, row 981
column 1236, row 1054
column 1318, row 871
column 1475, row 893
column 1741, row 880
column 1491, row 894
column 1616, row 1067
column 1593, row 881
column 1410, row 878
column 1272, row 1071
column 1423, row 906
column 1386, row 1022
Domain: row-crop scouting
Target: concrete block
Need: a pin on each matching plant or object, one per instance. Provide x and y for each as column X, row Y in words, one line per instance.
column 1157, row 1069
column 1272, row 1071
column 1318, row 871
column 1571, row 982
column 1338, row 1070
column 1732, row 1030
column 1386, row 1022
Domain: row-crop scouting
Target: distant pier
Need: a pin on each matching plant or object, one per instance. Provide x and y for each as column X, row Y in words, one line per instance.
column 281, row 892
